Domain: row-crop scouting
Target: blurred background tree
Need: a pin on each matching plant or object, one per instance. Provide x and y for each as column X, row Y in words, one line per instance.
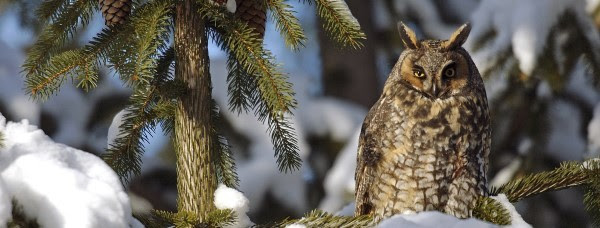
column 540, row 60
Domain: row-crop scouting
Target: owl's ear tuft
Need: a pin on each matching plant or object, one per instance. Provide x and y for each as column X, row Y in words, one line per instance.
column 408, row 36
column 458, row 38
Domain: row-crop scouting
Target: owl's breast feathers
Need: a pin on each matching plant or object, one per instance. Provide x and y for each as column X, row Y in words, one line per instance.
column 418, row 154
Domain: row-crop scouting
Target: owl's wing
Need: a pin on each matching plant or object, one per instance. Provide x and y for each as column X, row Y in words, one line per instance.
column 365, row 159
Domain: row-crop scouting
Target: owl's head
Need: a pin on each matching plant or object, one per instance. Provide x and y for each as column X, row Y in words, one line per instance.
column 436, row 68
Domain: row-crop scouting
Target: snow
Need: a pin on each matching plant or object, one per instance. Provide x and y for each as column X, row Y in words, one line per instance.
column 114, row 129
column 58, row 185
column 521, row 24
column 565, row 141
column 295, row 226
column 231, row 5
column 339, row 182
column 507, row 173
column 438, row 219
column 17, row 103
column 594, row 134
column 431, row 219
column 516, row 219
column 5, row 205
column 330, row 117
column 347, row 210
column 427, row 15
column 229, row 198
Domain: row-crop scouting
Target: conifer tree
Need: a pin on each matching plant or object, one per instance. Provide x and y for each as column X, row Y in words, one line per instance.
column 135, row 44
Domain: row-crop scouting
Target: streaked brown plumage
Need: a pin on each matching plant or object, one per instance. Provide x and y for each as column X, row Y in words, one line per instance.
column 424, row 145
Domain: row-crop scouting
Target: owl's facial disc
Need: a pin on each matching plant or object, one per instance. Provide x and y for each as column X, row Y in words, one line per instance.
column 437, row 75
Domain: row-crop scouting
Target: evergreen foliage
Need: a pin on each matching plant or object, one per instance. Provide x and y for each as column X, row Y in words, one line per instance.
column 255, row 81
column 159, row 219
column 488, row 209
column 286, row 23
column 224, row 162
column 568, row 174
column 318, row 218
column 272, row 97
column 338, row 21
column 138, row 51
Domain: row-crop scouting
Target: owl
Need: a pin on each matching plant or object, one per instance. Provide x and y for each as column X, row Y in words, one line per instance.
column 424, row 145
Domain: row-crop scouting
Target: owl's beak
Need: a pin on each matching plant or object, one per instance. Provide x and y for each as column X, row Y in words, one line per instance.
column 434, row 90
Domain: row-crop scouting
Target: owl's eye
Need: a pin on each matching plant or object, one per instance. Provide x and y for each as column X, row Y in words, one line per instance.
column 449, row 72
column 418, row 72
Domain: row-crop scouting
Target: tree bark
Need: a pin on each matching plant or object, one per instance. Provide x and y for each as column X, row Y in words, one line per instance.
column 196, row 179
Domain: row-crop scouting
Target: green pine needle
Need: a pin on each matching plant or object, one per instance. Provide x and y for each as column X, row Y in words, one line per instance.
column 216, row 218
column 66, row 18
column 318, row 218
column 490, row 210
column 241, row 87
column 224, row 161
column 46, row 70
column 569, row 174
column 274, row 92
column 339, row 22
column 51, row 9
column 126, row 151
column 287, row 24
column 134, row 56
column 592, row 190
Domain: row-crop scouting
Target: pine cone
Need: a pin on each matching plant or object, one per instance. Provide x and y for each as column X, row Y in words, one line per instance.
column 115, row 11
column 254, row 13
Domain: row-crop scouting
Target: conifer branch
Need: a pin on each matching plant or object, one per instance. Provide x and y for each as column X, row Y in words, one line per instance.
column 124, row 155
column 44, row 81
column 241, row 87
column 54, row 36
column 216, row 218
column 490, row 210
column 224, row 161
column 318, row 218
column 135, row 55
column 275, row 94
column 163, row 66
column 339, row 22
column 591, row 198
column 50, row 9
column 287, row 24
column 569, row 174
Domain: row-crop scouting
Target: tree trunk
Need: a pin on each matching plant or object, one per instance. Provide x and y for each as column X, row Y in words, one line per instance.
column 352, row 74
column 196, row 179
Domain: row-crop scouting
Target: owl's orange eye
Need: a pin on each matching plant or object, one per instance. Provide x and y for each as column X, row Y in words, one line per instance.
column 418, row 72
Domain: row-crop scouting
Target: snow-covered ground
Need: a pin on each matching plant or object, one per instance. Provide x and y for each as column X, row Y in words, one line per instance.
column 57, row 185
